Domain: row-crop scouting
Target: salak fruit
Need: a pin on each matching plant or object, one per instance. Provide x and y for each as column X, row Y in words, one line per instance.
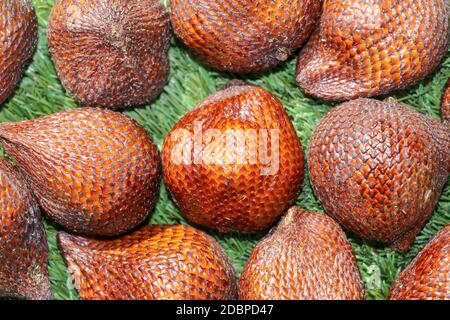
column 93, row 171
column 18, row 40
column 306, row 257
column 234, row 163
column 110, row 53
column 378, row 168
column 23, row 242
column 156, row 262
column 244, row 36
column 365, row 48
column 428, row 275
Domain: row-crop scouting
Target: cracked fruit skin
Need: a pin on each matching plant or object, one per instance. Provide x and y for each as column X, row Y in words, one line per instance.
column 23, row 249
column 244, row 36
column 428, row 275
column 378, row 167
column 306, row 257
column 157, row 262
column 18, row 40
column 110, row 53
column 366, row 48
column 93, row 171
column 445, row 107
column 241, row 186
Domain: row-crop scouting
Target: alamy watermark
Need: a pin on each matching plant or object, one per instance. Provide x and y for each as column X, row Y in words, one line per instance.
column 227, row 147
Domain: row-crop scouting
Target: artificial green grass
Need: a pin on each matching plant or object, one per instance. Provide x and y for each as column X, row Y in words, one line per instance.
column 40, row 93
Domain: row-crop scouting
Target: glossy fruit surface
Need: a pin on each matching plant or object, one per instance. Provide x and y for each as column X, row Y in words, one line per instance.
column 18, row 39
column 234, row 163
column 244, row 36
column 155, row 262
column 378, row 168
column 306, row 257
column 365, row 48
column 93, row 171
column 23, row 242
column 428, row 275
column 110, row 53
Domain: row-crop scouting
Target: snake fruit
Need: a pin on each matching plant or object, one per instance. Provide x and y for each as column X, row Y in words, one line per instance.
column 162, row 262
column 93, row 171
column 378, row 168
column 18, row 40
column 234, row 163
column 244, row 36
column 110, row 53
column 365, row 48
column 23, row 242
column 428, row 275
column 306, row 257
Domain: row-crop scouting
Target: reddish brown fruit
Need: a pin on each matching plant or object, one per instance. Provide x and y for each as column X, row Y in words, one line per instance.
column 244, row 36
column 306, row 257
column 365, row 48
column 93, row 171
column 378, row 168
column 234, row 163
column 428, row 275
column 155, row 262
column 18, row 40
column 445, row 108
column 110, row 53
column 23, row 243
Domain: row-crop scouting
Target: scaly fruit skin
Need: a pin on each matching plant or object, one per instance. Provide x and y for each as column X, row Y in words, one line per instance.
column 93, row 171
column 306, row 257
column 110, row 53
column 379, row 167
column 18, row 40
column 232, row 186
column 23, row 249
column 445, row 107
column 244, row 36
column 365, row 48
column 428, row 275
column 161, row 262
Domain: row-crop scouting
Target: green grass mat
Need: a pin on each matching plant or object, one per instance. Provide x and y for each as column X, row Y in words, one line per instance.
column 41, row 93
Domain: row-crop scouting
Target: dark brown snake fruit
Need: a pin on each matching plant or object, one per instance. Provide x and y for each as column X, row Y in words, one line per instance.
column 306, row 257
column 157, row 262
column 93, row 171
column 378, row 168
column 110, row 53
column 18, row 40
column 244, row 36
column 365, row 48
column 428, row 275
column 23, row 242
column 234, row 163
